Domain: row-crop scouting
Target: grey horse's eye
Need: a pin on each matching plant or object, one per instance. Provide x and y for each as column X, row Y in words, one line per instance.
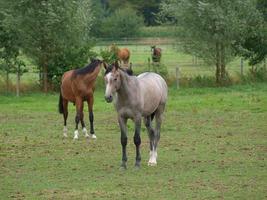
column 115, row 79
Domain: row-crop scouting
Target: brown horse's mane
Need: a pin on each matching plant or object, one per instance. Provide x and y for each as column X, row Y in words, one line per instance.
column 89, row 68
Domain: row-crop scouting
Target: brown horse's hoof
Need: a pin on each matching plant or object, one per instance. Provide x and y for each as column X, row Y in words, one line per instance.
column 93, row 136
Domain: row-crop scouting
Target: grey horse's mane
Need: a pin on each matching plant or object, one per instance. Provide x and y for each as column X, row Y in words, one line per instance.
column 129, row 72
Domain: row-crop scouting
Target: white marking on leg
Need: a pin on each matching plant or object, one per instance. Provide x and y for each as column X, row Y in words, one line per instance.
column 65, row 130
column 85, row 132
column 76, row 134
column 93, row 136
column 153, row 158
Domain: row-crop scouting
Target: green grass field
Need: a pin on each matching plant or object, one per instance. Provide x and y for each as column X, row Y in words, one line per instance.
column 213, row 146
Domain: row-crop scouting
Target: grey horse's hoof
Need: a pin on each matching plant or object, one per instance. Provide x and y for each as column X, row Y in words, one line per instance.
column 123, row 166
column 152, row 164
column 137, row 164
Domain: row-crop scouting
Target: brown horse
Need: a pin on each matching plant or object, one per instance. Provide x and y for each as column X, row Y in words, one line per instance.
column 156, row 53
column 123, row 54
column 77, row 86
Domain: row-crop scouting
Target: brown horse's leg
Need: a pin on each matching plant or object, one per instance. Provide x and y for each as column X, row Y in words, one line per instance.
column 83, row 124
column 79, row 106
column 65, row 115
column 90, row 102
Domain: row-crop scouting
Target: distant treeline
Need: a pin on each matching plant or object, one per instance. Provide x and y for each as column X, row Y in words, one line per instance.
column 148, row 9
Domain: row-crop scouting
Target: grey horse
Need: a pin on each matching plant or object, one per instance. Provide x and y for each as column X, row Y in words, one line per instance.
column 136, row 97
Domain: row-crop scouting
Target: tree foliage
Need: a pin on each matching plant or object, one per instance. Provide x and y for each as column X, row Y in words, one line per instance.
column 10, row 61
column 122, row 23
column 148, row 9
column 52, row 32
column 210, row 28
column 254, row 46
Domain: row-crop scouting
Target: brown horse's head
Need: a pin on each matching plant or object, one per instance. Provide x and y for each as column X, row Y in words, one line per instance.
column 156, row 53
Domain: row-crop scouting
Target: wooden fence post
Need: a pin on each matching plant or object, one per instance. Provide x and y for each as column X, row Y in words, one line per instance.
column 177, row 77
column 241, row 66
column 148, row 60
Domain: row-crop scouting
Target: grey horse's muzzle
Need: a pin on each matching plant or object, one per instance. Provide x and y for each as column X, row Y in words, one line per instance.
column 109, row 98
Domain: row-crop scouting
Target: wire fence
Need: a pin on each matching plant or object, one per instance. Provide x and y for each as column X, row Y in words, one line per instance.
column 172, row 58
column 31, row 81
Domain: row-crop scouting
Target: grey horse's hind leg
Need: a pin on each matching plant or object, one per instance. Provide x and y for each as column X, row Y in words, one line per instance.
column 123, row 127
column 151, row 135
column 158, row 117
column 137, row 141
column 150, row 130
column 153, row 151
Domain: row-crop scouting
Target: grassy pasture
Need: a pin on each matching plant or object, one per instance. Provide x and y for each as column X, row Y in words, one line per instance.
column 213, row 146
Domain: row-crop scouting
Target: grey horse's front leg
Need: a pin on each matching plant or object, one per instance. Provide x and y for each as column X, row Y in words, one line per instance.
column 123, row 127
column 137, row 141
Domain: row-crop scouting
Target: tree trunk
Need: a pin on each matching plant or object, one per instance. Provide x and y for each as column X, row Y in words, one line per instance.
column 218, row 64
column 45, row 81
column 223, row 71
column 7, row 81
column 18, row 83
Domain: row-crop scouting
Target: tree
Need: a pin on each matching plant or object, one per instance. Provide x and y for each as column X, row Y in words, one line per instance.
column 209, row 28
column 254, row 46
column 122, row 23
column 50, row 30
column 148, row 9
column 10, row 48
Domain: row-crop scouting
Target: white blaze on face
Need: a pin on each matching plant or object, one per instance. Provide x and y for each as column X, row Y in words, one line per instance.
column 108, row 84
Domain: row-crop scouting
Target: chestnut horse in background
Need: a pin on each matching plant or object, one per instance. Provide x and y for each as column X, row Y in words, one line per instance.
column 156, row 53
column 78, row 86
column 123, row 55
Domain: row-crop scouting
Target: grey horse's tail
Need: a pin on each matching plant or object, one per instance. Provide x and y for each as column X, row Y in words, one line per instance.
column 153, row 115
column 60, row 104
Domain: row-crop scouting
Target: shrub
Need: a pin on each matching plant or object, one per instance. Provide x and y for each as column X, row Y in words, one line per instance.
column 256, row 74
column 161, row 69
column 73, row 58
column 122, row 23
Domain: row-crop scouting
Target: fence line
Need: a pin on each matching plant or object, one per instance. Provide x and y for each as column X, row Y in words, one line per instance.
column 134, row 41
column 178, row 70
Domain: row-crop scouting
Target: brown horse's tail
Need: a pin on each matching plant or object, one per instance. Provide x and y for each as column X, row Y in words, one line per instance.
column 60, row 104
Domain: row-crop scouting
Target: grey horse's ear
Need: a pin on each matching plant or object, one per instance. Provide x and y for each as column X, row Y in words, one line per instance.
column 116, row 65
column 105, row 65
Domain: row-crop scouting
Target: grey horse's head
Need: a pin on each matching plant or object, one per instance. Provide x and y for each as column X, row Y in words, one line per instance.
column 112, row 80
